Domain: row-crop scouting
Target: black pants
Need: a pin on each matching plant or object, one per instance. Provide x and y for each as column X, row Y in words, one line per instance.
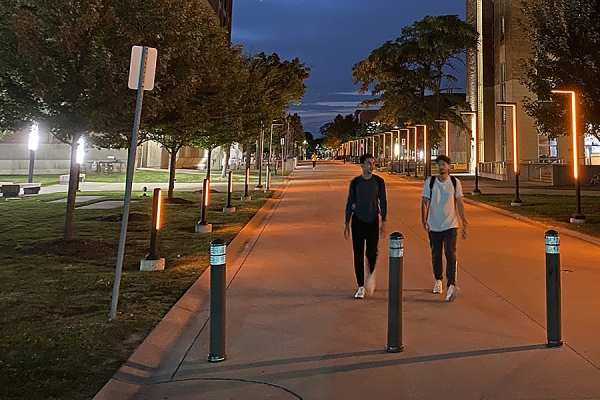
column 364, row 232
column 445, row 240
column 314, row 164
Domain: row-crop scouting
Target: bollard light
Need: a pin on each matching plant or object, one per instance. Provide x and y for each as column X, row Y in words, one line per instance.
column 218, row 269
column 553, row 302
column 34, row 138
column 394, row 332
column 246, row 196
column 152, row 262
column 202, row 226
column 229, row 208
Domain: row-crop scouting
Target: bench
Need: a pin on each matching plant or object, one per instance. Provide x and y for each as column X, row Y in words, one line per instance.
column 64, row 179
column 31, row 188
column 14, row 189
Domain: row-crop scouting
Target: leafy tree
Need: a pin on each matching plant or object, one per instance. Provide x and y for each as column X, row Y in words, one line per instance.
column 341, row 130
column 565, row 36
column 410, row 74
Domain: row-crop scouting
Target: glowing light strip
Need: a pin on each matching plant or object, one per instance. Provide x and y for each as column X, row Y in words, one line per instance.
column 159, row 209
column 574, row 123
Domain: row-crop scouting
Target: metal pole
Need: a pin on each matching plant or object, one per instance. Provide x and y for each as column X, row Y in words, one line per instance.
column 517, row 201
column 578, row 217
column 217, row 301
column 267, row 179
column 259, row 149
column 31, row 162
column 246, row 196
column 553, row 289
column 153, row 254
column 128, row 184
column 394, row 333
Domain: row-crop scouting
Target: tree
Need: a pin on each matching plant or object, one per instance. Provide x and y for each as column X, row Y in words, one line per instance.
column 341, row 130
column 565, row 36
column 410, row 74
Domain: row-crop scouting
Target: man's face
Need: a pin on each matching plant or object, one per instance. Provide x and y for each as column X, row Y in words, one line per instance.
column 368, row 166
column 443, row 167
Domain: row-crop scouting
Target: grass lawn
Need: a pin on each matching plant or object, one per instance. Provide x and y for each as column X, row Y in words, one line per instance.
column 555, row 210
column 55, row 338
column 145, row 176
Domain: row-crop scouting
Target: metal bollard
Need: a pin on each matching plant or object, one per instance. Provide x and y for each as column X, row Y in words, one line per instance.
column 217, row 301
column 394, row 333
column 553, row 318
column 268, row 179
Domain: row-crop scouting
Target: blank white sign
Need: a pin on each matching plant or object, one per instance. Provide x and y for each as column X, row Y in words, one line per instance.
column 134, row 67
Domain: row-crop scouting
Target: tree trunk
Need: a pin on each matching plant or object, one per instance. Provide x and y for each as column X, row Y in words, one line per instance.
column 172, row 166
column 257, row 154
column 208, row 161
column 226, row 163
column 69, row 227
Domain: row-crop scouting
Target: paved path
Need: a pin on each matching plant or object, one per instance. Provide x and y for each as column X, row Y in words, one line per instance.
column 294, row 330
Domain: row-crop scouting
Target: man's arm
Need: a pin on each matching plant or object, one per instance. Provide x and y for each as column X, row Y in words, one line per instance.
column 349, row 203
column 425, row 212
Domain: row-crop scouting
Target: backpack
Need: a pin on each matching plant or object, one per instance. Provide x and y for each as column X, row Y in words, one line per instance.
column 432, row 182
column 354, row 182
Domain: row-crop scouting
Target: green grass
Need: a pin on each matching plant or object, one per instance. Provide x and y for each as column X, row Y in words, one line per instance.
column 554, row 210
column 145, row 176
column 55, row 338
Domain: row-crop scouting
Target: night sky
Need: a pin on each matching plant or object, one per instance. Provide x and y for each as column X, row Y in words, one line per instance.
column 329, row 36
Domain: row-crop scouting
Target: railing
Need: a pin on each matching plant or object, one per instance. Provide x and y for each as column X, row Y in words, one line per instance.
column 493, row 167
column 546, row 160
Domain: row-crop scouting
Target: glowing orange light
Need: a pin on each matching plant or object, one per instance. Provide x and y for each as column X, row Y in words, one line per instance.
column 425, row 155
column 446, row 131
column 514, row 129
column 574, row 122
column 158, row 209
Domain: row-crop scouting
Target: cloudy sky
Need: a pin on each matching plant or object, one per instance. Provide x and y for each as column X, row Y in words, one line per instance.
column 329, row 36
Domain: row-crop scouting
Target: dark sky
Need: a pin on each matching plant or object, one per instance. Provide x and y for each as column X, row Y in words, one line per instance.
column 329, row 36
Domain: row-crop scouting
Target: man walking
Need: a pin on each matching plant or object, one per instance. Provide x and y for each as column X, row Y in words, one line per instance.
column 366, row 201
column 442, row 196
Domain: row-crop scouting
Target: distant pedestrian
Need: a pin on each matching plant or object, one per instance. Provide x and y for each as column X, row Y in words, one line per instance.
column 366, row 201
column 314, row 160
column 442, row 197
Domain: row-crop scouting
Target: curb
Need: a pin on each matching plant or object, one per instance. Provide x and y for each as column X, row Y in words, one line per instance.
column 192, row 309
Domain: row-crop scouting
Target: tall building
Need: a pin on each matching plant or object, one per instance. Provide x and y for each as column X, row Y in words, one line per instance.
column 223, row 9
column 494, row 74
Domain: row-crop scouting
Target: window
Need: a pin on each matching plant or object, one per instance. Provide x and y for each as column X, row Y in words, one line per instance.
column 503, row 81
column 502, row 27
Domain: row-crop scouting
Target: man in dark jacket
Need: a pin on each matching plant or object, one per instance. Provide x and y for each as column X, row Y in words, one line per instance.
column 366, row 201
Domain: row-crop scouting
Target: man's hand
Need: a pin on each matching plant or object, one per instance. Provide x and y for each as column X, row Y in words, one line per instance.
column 426, row 226
column 464, row 231
column 346, row 231
column 382, row 229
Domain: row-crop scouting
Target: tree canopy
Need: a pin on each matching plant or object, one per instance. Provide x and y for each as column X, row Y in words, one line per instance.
column 565, row 37
column 410, row 74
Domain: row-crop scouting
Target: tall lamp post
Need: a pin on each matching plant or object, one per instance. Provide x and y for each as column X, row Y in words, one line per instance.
column 34, row 138
column 578, row 217
column 426, row 153
column 446, row 134
column 259, row 150
column 270, row 150
column 416, row 155
column 474, row 124
column 516, row 168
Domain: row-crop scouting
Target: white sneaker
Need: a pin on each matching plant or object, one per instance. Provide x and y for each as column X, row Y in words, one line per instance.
column 452, row 293
column 370, row 284
column 361, row 293
column 437, row 288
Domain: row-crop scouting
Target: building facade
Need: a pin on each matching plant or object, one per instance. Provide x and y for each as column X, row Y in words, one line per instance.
column 494, row 74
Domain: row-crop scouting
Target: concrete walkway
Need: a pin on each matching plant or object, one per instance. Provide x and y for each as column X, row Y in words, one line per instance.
column 294, row 330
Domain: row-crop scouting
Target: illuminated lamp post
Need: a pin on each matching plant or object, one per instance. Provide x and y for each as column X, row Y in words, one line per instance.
column 79, row 158
column 202, row 226
column 34, row 139
column 268, row 172
column 516, row 168
column 416, row 154
column 426, row 152
column 475, row 130
column 447, row 135
column 578, row 217
column 152, row 262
